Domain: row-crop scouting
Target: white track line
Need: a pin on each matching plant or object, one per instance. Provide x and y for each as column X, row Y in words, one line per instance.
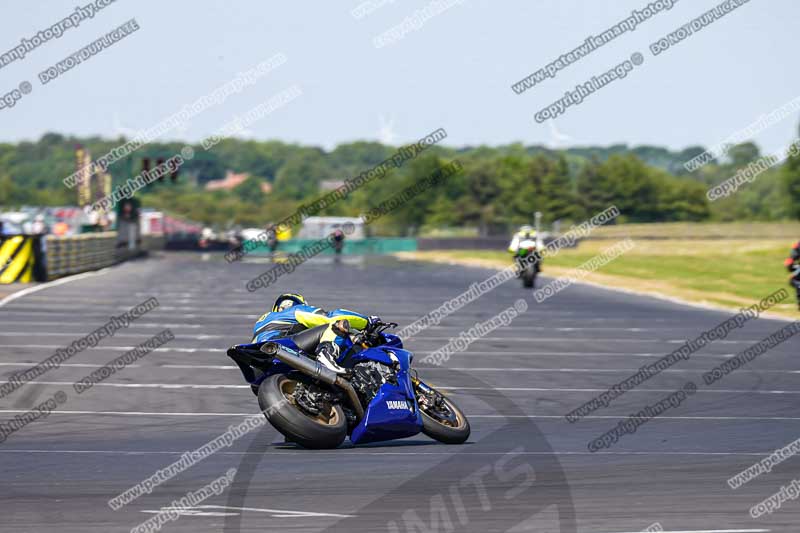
column 100, row 312
column 364, row 451
column 579, row 339
column 68, row 365
column 131, row 413
column 708, row 531
column 134, row 365
column 534, row 417
column 661, row 417
column 455, row 321
column 542, row 389
column 418, row 352
column 30, row 290
column 77, row 334
column 275, row 513
column 115, row 348
column 598, row 370
column 141, row 385
column 426, row 369
column 455, row 328
column 131, row 325
column 443, row 387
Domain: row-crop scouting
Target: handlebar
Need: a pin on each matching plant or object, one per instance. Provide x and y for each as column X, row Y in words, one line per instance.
column 376, row 325
column 373, row 333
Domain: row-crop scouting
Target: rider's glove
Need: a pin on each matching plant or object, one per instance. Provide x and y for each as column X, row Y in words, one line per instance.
column 372, row 321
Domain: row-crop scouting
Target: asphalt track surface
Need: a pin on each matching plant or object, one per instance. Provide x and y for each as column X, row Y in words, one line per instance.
column 525, row 468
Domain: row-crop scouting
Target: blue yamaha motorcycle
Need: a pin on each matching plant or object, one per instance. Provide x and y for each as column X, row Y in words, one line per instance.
column 379, row 398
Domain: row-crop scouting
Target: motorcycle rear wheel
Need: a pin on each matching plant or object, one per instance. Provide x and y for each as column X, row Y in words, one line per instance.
column 323, row 431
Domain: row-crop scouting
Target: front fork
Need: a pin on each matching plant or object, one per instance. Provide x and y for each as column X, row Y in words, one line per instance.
column 429, row 397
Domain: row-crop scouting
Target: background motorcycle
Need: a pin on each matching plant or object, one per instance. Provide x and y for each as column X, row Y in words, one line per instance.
column 338, row 241
column 530, row 263
column 272, row 239
column 381, row 397
column 794, row 281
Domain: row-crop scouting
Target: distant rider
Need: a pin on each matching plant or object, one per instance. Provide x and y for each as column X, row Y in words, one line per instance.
column 523, row 240
column 272, row 237
column 793, row 264
column 291, row 314
column 338, row 240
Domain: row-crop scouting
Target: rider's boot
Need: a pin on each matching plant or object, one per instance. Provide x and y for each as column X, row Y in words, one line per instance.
column 327, row 353
column 327, row 350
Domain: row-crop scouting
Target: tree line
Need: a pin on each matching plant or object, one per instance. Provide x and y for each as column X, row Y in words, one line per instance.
column 499, row 187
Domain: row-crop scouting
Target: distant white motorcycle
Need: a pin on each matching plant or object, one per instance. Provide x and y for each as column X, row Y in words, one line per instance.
column 529, row 261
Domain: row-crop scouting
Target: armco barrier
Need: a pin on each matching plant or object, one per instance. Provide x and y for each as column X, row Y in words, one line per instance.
column 79, row 253
column 25, row 258
column 91, row 251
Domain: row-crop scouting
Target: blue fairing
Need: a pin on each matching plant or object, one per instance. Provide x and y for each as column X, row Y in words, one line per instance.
column 275, row 366
column 393, row 340
column 393, row 413
column 383, row 354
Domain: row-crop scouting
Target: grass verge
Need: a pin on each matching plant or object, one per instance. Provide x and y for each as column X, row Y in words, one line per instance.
column 722, row 273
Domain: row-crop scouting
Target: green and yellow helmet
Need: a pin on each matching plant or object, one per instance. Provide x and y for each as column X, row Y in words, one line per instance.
column 288, row 300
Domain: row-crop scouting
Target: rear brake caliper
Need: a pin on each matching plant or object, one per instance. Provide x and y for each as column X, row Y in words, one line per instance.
column 312, row 399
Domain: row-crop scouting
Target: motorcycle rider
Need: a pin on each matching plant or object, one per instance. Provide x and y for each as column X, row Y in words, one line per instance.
column 291, row 314
column 338, row 240
column 272, row 237
column 793, row 265
column 523, row 239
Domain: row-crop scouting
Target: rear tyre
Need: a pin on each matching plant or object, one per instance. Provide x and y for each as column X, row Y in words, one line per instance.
column 445, row 423
column 309, row 431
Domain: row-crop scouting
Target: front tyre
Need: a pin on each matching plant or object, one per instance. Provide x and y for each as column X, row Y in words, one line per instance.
column 442, row 420
column 276, row 399
column 529, row 278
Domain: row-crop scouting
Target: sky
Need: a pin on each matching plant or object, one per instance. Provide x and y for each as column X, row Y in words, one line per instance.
column 454, row 71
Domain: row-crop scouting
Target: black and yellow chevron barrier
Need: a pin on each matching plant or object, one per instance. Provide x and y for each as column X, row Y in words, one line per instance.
column 17, row 259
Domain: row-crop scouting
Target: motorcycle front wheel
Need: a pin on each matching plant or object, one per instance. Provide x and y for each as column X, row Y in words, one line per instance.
column 277, row 402
column 529, row 278
column 442, row 420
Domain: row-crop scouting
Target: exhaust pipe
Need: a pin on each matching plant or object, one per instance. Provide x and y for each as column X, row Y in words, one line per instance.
column 314, row 369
